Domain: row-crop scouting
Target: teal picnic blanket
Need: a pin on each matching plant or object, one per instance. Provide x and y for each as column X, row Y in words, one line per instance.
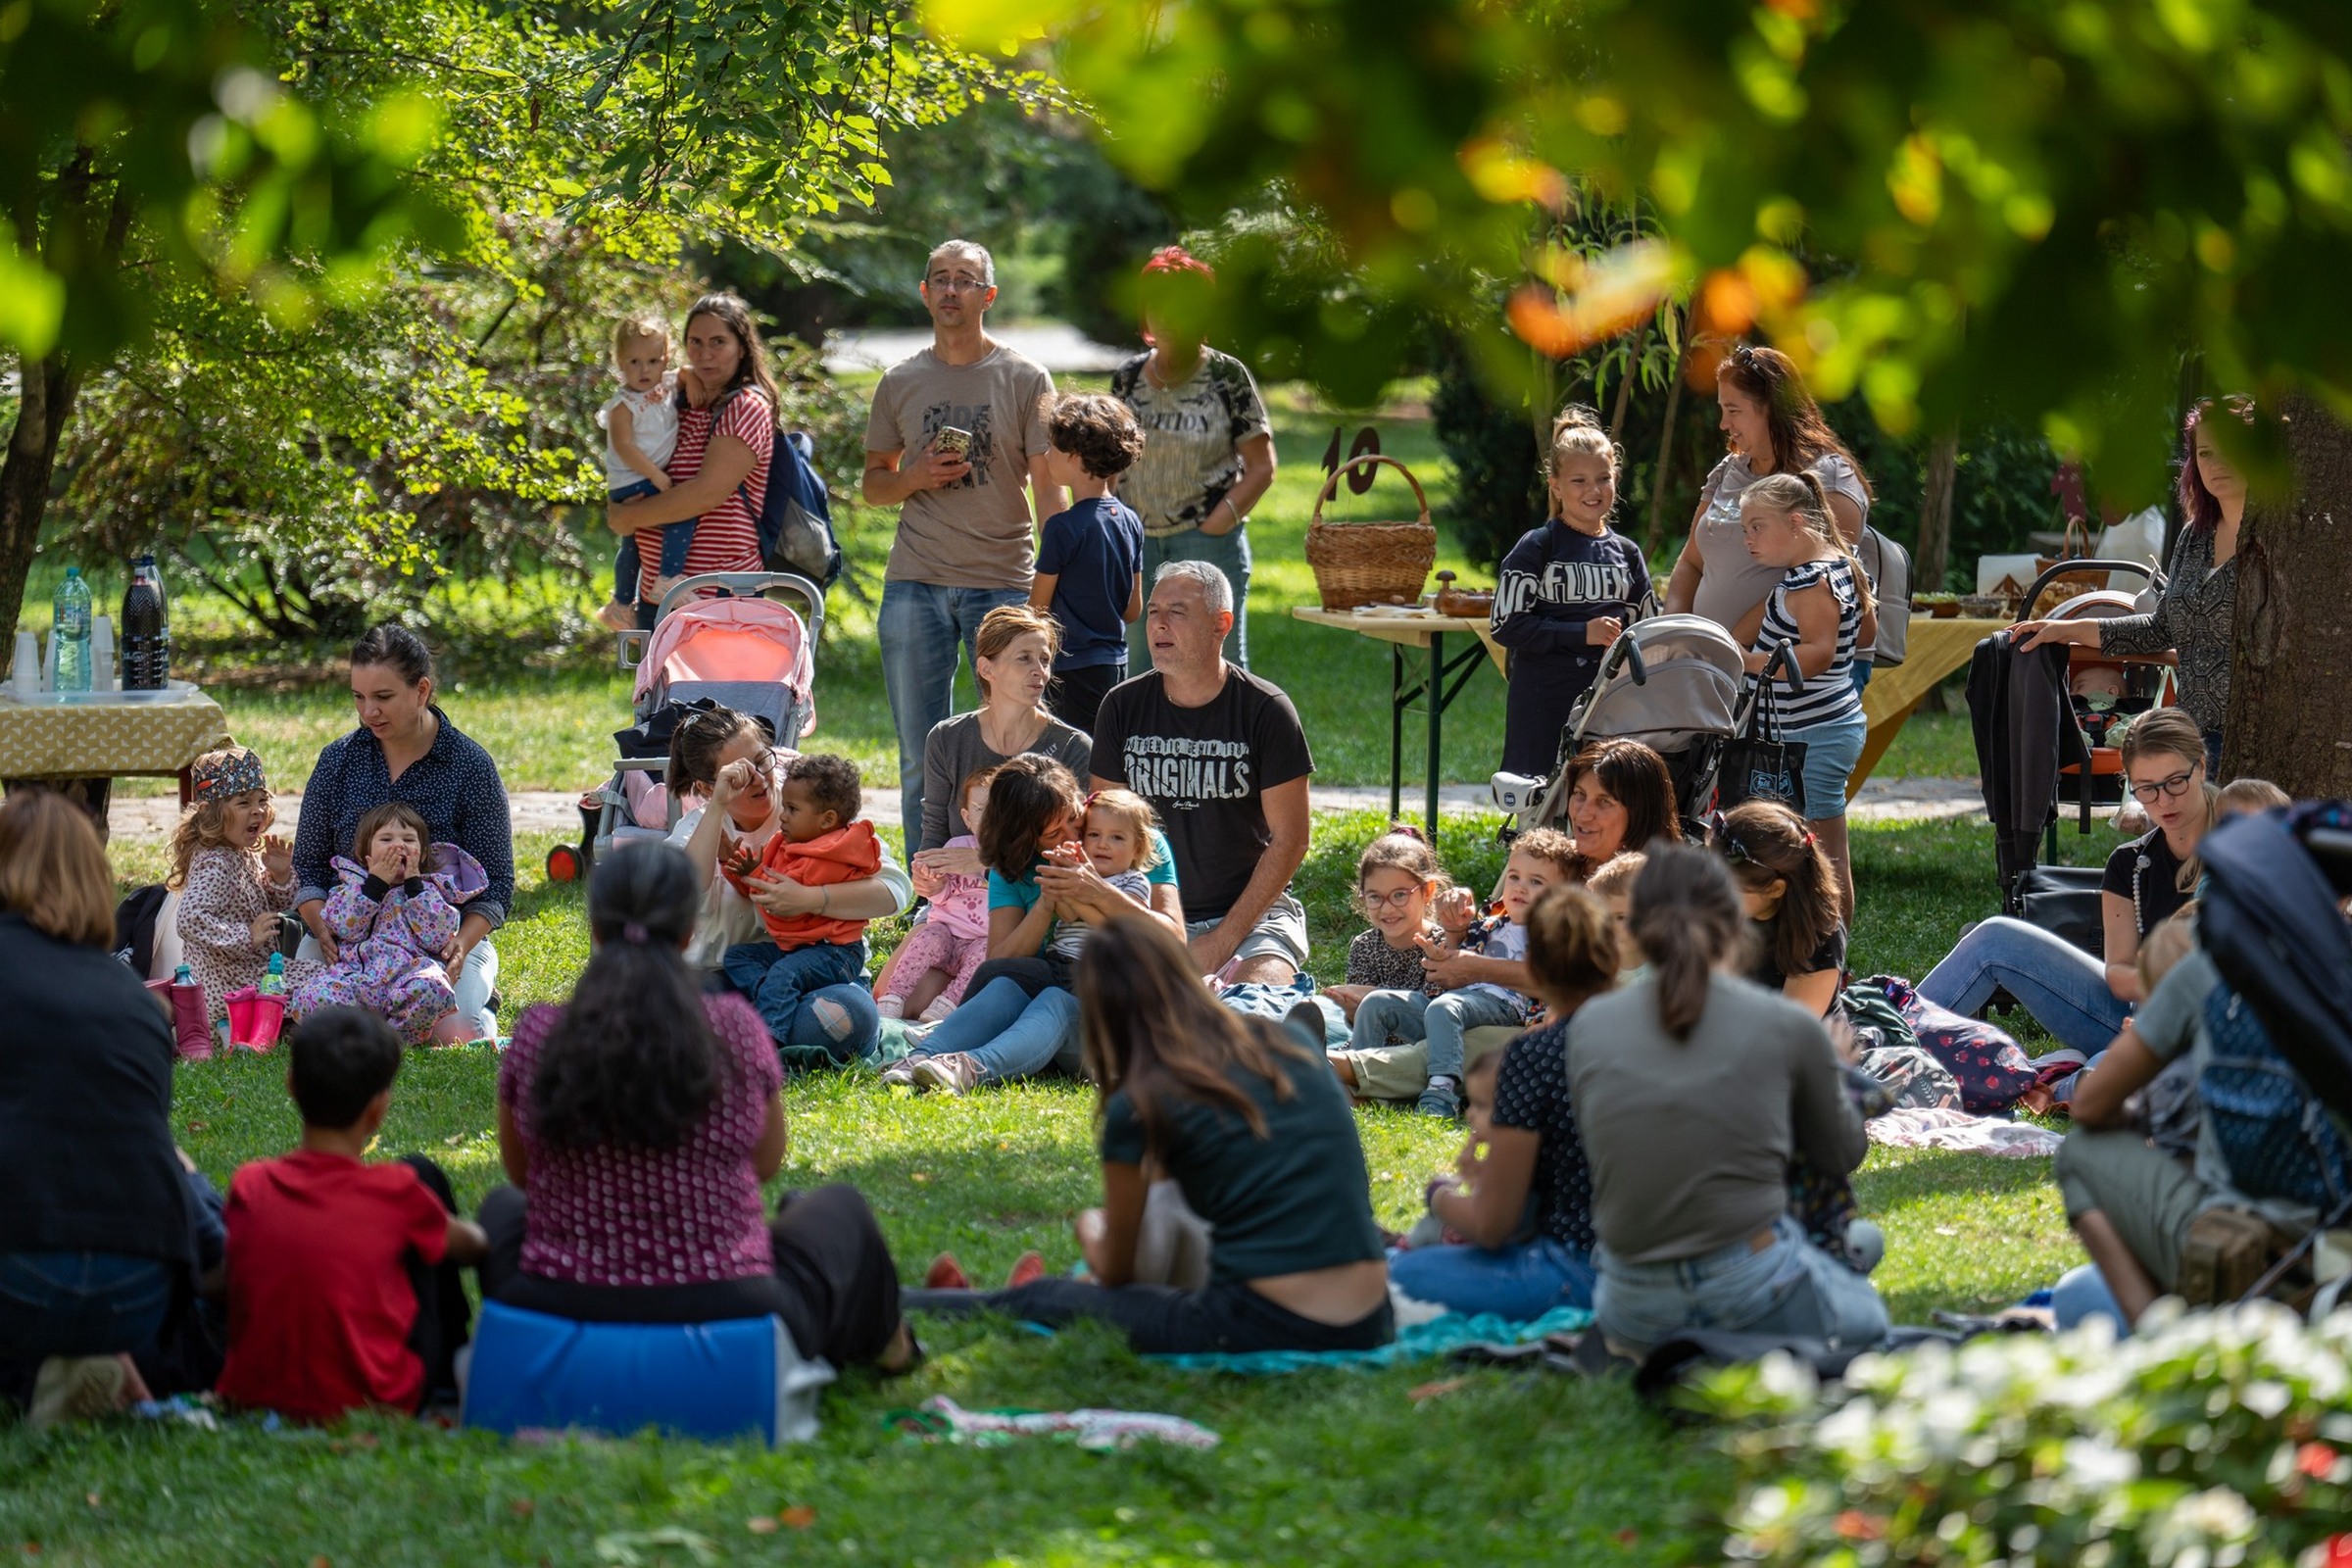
column 1423, row 1342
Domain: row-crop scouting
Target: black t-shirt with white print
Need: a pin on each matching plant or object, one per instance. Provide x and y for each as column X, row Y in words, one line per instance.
column 1204, row 770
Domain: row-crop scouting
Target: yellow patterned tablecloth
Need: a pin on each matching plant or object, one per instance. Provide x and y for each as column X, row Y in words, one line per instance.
column 89, row 740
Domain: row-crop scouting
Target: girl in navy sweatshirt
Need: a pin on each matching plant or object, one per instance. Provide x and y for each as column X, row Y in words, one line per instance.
column 1566, row 591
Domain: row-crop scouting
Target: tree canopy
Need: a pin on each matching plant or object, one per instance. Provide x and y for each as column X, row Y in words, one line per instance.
column 2034, row 205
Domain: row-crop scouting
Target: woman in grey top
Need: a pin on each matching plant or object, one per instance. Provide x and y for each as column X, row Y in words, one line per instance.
column 1772, row 426
column 1692, row 1091
column 1012, row 664
column 2200, row 596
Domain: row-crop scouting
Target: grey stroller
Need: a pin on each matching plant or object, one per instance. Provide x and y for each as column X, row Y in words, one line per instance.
column 1671, row 682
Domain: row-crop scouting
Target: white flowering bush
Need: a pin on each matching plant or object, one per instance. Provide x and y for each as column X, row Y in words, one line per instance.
column 2207, row 1440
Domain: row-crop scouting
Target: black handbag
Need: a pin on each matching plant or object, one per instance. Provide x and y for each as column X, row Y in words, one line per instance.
column 1758, row 765
column 2064, row 900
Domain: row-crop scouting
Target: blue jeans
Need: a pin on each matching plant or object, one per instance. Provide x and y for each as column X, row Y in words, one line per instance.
column 1830, row 751
column 1519, row 1283
column 2064, row 988
column 781, row 984
column 677, row 539
column 1792, row 1287
column 919, row 626
column 2213, row 755
column 1006, row 1032
column 1229, row 553
column 80, row 1304
column 1409, row 1015
column 1861, row 669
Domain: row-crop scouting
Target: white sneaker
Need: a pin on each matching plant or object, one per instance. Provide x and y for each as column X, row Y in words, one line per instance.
column 900, row 1074
column 891, row 1007
column 938, row 1011
column 951, row 1072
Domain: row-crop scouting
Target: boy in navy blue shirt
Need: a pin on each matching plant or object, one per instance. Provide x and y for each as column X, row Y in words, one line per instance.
column 1090, row 563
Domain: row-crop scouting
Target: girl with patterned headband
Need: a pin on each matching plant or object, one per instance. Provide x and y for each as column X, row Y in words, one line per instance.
column 234, row 877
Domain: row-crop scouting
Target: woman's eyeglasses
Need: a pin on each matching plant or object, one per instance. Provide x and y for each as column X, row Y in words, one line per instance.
column 1401, row 899
column 2174, row 787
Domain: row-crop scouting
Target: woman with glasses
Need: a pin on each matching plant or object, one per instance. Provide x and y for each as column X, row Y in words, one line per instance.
column 2194, row 617
column 2080, row 1000
column 1772, row 426
column 726, row 760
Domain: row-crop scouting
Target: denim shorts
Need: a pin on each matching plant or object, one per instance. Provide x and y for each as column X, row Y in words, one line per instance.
column 1830, row 751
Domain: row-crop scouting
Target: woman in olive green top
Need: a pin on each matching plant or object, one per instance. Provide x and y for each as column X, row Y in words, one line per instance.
column 1258, row 1135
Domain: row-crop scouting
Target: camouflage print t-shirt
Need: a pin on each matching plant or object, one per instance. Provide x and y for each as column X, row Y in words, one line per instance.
column 1193, row 435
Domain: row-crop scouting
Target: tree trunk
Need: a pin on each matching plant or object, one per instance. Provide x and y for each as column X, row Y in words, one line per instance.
column 1653, row 538
column 1931, row 560
column 2290, row 666
column 48, row 388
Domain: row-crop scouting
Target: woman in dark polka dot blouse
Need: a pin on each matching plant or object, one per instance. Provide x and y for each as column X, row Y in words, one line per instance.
column 1533, row 1146
column 407, row 749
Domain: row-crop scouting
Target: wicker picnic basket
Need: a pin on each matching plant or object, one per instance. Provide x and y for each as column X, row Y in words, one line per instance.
column 1370, row 563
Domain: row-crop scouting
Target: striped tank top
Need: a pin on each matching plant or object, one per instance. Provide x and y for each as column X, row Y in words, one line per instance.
column 1829, row 696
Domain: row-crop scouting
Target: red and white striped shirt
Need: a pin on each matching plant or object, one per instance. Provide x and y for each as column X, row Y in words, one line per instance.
column 726, row 538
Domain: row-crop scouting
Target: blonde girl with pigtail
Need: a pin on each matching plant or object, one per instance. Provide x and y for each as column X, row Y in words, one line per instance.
column 1821, row 607
column 1565, row 591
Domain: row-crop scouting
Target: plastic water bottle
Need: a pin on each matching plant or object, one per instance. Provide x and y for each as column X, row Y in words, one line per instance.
column 69, row 632
column 273, row 984
column 146, row 630
column 183, row 976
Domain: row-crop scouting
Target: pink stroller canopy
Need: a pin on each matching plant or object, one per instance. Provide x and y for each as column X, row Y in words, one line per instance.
column 732, row 640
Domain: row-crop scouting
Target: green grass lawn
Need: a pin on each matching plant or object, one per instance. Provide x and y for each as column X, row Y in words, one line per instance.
column 546, row 706
column 1314, row 1468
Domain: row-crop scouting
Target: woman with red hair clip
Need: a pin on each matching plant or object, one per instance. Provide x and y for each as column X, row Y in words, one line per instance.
column 1208, row 447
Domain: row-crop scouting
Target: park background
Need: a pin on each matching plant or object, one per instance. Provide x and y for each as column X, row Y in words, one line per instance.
column 308, row 460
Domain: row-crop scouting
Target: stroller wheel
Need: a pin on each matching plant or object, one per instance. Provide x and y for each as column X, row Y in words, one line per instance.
column 566, row 863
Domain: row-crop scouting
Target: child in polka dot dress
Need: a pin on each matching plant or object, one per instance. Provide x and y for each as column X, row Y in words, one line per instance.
column 235, row 878
column 392, row 918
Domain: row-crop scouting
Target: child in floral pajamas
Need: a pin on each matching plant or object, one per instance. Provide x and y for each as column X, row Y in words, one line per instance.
column 392, row 919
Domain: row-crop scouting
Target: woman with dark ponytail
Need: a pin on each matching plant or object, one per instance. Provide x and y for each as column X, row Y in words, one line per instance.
column 1693, row 1089
column 637, row 1123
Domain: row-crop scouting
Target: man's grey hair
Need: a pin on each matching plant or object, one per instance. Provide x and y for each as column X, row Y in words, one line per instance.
column 964, row 250
column 1213, row 584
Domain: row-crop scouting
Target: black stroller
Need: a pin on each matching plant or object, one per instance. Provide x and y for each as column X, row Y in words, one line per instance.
column 2039, row 748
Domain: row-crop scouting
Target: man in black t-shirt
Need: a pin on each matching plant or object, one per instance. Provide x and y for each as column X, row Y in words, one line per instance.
column 1219, row 754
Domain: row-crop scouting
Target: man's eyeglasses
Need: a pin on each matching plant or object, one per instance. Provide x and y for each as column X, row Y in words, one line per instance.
column 1403, row 898
column 2174, row 787
column 955, row 282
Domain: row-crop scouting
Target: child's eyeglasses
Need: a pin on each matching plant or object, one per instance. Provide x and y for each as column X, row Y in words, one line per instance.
column 1401, row 899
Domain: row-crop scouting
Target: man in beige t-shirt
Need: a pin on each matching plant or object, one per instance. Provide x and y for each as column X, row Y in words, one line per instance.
column 966, row 538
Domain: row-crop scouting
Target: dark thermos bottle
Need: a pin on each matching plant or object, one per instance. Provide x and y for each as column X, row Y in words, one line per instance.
column 146, row 630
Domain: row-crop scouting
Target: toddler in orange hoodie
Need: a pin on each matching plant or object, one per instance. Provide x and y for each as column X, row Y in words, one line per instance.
column 820, row 841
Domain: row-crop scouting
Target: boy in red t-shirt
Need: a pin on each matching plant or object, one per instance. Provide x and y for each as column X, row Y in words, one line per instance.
column 343, row 1287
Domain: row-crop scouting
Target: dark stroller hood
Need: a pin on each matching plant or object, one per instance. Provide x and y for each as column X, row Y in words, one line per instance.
column 2269, row 920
